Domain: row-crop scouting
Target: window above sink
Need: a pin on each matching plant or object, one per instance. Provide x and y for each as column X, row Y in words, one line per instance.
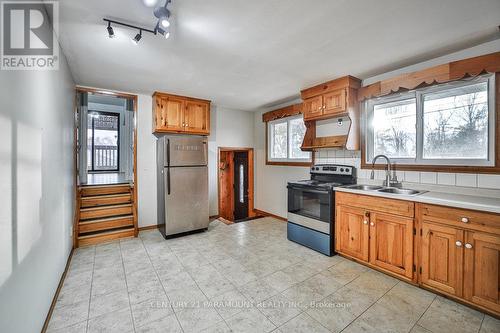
column 450, row 124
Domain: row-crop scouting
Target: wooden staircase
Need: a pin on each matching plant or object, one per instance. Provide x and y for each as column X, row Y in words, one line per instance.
column 105, row 212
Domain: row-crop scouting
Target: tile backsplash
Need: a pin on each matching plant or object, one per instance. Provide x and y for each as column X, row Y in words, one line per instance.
column 347, row 157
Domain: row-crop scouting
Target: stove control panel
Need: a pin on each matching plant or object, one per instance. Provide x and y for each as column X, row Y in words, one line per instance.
column 330, row 169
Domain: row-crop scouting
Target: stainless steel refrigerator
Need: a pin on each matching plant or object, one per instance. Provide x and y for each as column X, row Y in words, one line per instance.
column 182, row 184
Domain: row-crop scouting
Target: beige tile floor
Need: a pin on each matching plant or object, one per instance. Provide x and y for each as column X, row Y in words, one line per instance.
column 244, row 277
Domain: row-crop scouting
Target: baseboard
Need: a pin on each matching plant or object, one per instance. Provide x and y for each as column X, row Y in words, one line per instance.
column 148, row 227
column 155, row 226
column 56, row 295
column 264, row 213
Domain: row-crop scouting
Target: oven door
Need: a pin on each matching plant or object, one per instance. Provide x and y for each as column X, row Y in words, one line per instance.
column 310, row 205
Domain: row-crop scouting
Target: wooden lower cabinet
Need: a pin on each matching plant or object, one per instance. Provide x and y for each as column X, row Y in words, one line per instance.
column 441, row 258
column 352, row 234
column 456, row 252
column 391, row 243
column 481, row 270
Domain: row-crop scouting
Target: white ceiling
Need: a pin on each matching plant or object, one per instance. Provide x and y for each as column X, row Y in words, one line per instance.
column 250, row 54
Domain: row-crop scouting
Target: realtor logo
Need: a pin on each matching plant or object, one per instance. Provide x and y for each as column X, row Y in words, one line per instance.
column 28, row 38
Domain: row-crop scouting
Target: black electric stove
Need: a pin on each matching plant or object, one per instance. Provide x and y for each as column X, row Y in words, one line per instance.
column 311, row 206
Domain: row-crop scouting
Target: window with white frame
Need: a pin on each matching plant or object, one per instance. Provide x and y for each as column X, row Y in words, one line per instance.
column 447, row 124
column 285, row 137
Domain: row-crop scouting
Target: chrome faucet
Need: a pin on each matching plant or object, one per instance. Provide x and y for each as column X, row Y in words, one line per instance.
column 389, row 181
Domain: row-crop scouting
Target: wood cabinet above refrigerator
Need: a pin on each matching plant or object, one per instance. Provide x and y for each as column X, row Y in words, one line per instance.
column 180, row 114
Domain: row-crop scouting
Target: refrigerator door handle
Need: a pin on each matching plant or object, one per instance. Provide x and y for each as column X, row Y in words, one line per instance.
column 168, row 152
column 168, row 180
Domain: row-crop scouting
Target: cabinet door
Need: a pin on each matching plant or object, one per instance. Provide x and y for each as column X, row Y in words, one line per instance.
column 351, row 232
column 197, row 117
column 391, row 243
column 171, row 114
column 334, row 102
column 442, row 258
column 312, row 107
column 482, row 274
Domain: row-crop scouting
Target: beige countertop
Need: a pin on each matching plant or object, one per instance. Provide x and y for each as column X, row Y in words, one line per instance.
column 474, row 202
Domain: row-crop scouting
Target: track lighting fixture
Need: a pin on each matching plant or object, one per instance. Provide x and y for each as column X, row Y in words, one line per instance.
column 162, row 27
column 137, row 38
column 111, row 33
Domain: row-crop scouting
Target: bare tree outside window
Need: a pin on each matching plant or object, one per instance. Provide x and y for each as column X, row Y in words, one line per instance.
column 279, row 140
column 285, row 139
column 456, row 123
column 446, row 124
column 394, row 129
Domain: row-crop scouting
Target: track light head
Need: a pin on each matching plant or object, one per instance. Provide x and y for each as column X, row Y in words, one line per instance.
column 137, row 38
column 165, row 22
column 164, row 32
column 111, row 33
column 163, row 14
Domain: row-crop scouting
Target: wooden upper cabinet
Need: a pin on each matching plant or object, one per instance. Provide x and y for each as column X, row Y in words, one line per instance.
column 352, row 231
column 334, row 102
column 481, row 270
column 331, row 99
column 312, row 107
column 442, row 258
column 170, row 114
column 179, row 114
column 391, row 243
column 197, row 117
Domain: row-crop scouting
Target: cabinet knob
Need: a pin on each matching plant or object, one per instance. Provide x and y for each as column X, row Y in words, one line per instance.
column 465, row 220
column 458, row 243
column 468, row 246
column 372, row 224
column 365, row 222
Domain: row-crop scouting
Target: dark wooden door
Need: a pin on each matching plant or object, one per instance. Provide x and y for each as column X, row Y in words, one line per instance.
column 240, row 185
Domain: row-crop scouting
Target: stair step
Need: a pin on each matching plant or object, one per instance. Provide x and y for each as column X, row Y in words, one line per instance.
column 93, row 190
column 103, row 200
column 105, row 224
column 105, row 236
column 105, row 211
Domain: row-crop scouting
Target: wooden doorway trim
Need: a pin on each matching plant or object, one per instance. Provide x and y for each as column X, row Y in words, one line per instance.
column 104, row 92
column 250, row 153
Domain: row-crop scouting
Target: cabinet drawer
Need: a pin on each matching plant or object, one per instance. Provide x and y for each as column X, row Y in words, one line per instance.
column 391, row 206
column 462, row 218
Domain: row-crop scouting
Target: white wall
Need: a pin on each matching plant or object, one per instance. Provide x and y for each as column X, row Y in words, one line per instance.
column 271, row 180
column 36, row 192
column 146, row 163
column 229, row 128
column 270, row 184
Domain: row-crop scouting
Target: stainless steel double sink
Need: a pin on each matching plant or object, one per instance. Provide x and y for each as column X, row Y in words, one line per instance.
column 381, row 189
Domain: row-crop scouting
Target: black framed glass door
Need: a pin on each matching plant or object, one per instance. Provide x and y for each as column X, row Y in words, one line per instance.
column 103, row 141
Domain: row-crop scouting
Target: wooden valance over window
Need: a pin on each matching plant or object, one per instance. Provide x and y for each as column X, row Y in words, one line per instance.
column 452, row 71
column 291, row 110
